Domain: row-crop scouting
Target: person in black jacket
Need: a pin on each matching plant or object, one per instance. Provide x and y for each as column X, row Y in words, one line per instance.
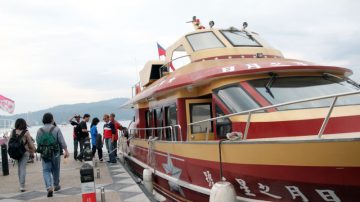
column 83, row 134
column 76, row 133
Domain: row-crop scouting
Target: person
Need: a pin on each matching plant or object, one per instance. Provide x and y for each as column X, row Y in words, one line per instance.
column 76, row 132
column 83, row 134
column 22, row 132
column 51, row 166
column 96, row 142
column 109, row 137
column 117, row 128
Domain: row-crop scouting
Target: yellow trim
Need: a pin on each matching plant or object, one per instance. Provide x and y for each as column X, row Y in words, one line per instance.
column 325, row 153
column 197, row 136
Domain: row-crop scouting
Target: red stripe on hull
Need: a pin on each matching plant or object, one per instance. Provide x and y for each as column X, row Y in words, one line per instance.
column 345, row 182
column 299, row 127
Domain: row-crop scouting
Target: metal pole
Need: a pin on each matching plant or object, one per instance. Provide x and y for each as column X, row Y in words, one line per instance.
column 102, row 194
column 247, row 126
column 326, row 120
column 5, row 160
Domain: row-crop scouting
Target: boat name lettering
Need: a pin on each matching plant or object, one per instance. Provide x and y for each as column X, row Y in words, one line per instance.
column 325, row 194
column 253, row 65
column 228, row 69
column 264, row 189
column 295, row 192
column 328, row 195
column 208, row 178
column 243, row 186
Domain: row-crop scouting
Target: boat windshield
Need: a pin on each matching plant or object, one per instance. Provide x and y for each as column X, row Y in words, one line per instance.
column 289, row 89
column 240, row 38
column 204, row 40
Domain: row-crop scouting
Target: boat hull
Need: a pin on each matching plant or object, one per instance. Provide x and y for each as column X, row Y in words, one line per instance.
column 321, row 170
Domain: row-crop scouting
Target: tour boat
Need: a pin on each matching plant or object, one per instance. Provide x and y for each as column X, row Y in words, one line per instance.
column 225, row 106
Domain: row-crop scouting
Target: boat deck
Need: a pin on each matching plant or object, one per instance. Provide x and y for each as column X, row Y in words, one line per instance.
column 118, row 183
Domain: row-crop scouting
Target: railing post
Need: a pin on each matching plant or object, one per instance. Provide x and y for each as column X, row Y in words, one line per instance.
column 326, row 120
column 247, row 126
column 171, row 133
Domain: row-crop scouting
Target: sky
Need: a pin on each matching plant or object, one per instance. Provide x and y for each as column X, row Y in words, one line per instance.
column 64, row 52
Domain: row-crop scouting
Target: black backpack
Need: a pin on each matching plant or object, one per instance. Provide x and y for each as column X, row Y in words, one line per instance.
column 16, row 148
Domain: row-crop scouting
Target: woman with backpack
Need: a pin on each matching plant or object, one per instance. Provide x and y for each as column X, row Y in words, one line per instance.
column 20, row 148
column 96, row 141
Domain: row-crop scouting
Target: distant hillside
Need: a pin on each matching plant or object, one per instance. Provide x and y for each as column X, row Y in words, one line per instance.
column 63, row 112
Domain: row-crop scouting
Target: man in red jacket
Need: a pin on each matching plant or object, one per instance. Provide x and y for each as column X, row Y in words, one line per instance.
column 109, row 137
column 117, row 128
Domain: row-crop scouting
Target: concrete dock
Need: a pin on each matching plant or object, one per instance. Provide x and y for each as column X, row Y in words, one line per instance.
column 118, row 184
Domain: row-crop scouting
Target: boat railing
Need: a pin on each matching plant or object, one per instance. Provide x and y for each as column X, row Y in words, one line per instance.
column 161, row 129
column 250, row 112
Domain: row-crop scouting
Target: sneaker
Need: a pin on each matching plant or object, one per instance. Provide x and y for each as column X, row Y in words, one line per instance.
column 50, row 192
column 22, row 190
column 57, row 188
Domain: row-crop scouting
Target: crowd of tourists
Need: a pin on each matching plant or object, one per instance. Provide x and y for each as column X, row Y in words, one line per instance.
column 50, row 144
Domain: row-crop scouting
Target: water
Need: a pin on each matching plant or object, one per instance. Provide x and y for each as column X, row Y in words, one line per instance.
column 67, row 131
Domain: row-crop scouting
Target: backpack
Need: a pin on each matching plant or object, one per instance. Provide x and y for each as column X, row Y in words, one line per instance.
column 47, row 145
column 16, row 148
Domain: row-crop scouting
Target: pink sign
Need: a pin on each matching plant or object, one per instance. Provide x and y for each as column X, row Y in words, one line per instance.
column 7, row 104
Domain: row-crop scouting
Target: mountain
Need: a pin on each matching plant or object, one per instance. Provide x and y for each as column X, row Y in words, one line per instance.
column 62, row 113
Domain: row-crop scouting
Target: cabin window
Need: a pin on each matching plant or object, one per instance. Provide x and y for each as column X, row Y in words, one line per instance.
column 148, row 123
column 158, row 121
column 240, row 38
column 171, row 120
column 236, row 99
column 179, row 58
column 289, row 89
column 204, row 40
column 223, row 125
column 199, row 112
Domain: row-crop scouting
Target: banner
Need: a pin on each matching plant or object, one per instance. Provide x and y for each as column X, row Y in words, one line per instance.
column 6, row 104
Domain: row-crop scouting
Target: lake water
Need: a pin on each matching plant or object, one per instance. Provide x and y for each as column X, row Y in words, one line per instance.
column 67, row 131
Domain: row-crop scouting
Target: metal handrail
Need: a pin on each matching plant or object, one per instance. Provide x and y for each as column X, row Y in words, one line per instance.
column 173, row 138
column 249, row 112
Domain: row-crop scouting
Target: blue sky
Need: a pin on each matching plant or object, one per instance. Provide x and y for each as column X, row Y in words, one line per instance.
column 62, row 52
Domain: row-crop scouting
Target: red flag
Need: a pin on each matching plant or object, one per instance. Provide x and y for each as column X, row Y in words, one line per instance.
column 161, row 50
column 7, row 104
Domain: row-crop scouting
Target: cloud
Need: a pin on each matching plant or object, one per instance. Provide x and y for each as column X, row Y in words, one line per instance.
column 59, row 52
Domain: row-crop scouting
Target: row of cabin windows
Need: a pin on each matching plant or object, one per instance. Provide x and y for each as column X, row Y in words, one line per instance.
column 157, row 118
column 167, row 116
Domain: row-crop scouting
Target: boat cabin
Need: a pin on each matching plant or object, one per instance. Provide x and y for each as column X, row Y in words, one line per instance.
column 212, row 72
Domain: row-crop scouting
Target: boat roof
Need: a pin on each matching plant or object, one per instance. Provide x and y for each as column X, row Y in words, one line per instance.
column 219, row 53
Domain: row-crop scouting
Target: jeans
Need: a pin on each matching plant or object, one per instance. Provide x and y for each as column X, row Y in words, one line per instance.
column 115, row 147
column 76, row 145
column 51, row 171
column 81, row 143
column 109, row 147
column 22, row 169
column 100, row 155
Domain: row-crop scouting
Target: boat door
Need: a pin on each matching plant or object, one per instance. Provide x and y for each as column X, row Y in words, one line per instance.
column 198, row 110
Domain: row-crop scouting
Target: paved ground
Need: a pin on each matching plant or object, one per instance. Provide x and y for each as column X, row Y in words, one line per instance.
column 117, row 182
